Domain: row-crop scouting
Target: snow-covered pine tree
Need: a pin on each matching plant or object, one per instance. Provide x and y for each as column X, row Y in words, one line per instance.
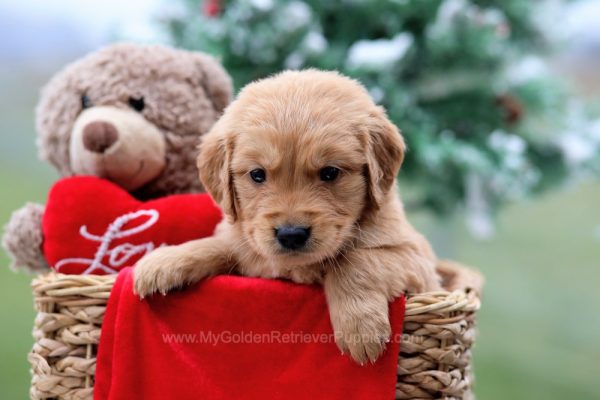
column 484, row 118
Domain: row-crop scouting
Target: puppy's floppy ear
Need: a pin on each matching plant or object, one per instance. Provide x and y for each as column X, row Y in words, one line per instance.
column 385, row 153
column 214, row 159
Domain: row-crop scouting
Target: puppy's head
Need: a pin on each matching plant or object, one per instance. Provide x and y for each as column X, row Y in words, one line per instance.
column 297, row 160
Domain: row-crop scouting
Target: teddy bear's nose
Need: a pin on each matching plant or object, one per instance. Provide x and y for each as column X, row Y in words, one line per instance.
column 98, row 136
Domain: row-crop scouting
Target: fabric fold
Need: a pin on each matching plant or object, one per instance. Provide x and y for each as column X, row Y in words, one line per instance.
column 233, row 337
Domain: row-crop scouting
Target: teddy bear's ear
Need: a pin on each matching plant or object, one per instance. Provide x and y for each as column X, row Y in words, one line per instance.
column 214, row 158
column 216, row 82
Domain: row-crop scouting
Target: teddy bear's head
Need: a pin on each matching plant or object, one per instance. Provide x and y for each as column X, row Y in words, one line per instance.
column 132, row 114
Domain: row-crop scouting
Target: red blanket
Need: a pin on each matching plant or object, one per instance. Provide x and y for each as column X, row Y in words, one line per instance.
column 233, row 337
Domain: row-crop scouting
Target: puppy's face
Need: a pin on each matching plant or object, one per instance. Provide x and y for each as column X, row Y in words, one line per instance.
column 299, row 192
column 297, row 160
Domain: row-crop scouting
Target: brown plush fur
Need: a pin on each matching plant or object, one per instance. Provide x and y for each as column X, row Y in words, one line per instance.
column 362, row 248
column 155, row 149
column 23, row 238
column 184, row 94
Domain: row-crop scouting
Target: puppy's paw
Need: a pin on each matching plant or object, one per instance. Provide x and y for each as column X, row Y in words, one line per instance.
column 155, row 273
column 362, row 335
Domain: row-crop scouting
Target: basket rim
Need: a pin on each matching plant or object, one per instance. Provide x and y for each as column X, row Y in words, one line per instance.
column 95, row 289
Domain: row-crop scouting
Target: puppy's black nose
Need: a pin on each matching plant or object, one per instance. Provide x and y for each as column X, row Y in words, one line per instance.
column 292, row 237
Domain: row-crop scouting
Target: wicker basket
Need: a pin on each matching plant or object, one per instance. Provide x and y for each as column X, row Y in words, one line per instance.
column 435, row 360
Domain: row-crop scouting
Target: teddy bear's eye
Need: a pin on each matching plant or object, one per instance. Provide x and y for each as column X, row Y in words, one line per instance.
column 137, row 103
column 85, row 101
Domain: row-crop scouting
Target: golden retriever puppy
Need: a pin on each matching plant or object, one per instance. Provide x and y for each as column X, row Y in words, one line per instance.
column 304, row 166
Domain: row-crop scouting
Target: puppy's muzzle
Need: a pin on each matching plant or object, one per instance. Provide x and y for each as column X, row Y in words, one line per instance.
column 292, row 237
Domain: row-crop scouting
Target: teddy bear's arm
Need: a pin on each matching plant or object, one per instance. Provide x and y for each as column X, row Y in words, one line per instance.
column 23, row 239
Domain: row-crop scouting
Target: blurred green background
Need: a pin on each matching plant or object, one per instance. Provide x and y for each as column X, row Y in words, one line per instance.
column 540, row 321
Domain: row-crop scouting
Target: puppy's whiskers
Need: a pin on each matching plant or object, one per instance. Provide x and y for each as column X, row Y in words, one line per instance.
column 375, row 241
column 231, row 256
column 246, row 244
column 336, row 267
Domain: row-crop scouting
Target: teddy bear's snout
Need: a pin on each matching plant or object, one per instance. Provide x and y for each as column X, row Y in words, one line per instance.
column 117, row 144
column 99, row 136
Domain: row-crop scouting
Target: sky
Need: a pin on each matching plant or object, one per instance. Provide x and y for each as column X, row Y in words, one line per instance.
column 58, row 28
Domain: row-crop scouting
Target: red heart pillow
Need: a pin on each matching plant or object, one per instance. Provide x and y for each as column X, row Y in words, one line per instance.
column 92, row 226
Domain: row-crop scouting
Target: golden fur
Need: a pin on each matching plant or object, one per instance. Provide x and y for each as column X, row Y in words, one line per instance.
column 362, row 248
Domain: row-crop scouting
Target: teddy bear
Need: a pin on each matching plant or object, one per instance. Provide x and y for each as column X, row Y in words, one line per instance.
column 130, row 114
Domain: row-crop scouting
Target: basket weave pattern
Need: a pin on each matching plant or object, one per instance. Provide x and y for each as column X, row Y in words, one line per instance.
column 435, row 361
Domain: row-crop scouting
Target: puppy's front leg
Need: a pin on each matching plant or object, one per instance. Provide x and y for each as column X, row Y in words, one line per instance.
column 358, row 312
column 359, row 285
column 171, row 267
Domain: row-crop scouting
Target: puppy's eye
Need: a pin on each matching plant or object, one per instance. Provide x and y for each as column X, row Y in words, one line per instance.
column 85, row 102
column 328, row 174
column 258, row 175
column 137, row 103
